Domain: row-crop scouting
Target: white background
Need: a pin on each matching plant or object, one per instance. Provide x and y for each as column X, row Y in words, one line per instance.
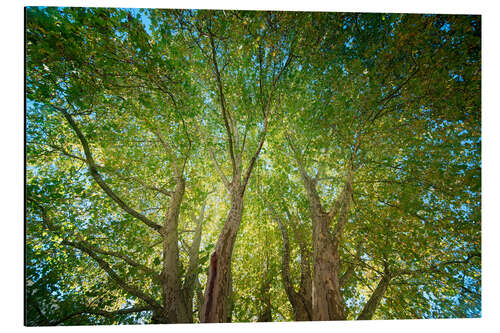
column 12, row 162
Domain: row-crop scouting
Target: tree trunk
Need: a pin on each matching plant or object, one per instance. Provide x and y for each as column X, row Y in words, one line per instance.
column 374, row 301
column 304, row 309
column 327, row 302
column 191, row 276
column 265, row 312
column 327, row 299
column 230, row 300
column 301, row 301
column 215, row 305
column 173, row 300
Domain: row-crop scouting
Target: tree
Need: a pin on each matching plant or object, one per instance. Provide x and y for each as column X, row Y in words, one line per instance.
column 352, row 142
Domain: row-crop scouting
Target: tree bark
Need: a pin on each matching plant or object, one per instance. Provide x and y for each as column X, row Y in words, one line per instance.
column 327, row 302
column 304, row 302
column 301, row 301
column 327, row 299
column 191, row 276
column 215, row 307
column 173, row 300
column 374, row 301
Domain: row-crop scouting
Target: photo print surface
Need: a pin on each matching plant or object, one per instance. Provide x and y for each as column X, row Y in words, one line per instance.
column 211, row 166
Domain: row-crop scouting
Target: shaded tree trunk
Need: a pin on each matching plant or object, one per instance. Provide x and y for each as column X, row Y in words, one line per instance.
column 326, row 296
column 301, row 301
column 216, row 307
column 304, row 303
column 265, row 312
column 230, row 300
column 191, row 277
column 374, row 301
column 327, row 299
column 175, row 310
column 199, row 298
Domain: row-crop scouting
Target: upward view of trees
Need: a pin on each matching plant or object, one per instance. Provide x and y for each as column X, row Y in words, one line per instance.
column 214, row 166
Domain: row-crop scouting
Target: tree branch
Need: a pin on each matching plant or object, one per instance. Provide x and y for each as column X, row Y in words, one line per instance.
column 191, row 274
column 144, row 184
column 344, row 201
column 219, row 170
column 285, row 258
column 102, row 313
column 90, row 251
column 97, row 177
column 126, row 259
column 177, row 170
column 225, row 115
column 435, row 268
column 266, row 121
column 113, row 275
column 372, row 304
column 352, row 267
column 298, row 158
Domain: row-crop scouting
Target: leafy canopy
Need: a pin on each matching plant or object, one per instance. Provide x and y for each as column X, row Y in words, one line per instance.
column 402, row 90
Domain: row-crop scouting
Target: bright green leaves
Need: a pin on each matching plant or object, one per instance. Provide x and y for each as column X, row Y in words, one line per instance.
column 395, row 95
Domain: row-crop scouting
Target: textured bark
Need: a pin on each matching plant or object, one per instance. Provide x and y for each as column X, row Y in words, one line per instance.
column 327, row 299
column 191, row 276
column 301, row 301
column 304, row 302
column 173, row 300
column 326, row 294
column 374, row 301
column 230, row 300
column 327, row 302
column 215, row 305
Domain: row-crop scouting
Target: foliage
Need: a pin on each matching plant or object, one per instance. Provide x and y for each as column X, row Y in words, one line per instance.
column 394, row 97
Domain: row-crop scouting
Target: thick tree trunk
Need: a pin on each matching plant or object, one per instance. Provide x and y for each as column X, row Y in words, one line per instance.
column 173, row 301
column 230, row 300
column 327, row 302
column 327, row 299
column 374, row 301
column 215, row 305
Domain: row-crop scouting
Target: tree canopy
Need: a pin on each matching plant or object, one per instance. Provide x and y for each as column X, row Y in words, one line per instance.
column 215, row 166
